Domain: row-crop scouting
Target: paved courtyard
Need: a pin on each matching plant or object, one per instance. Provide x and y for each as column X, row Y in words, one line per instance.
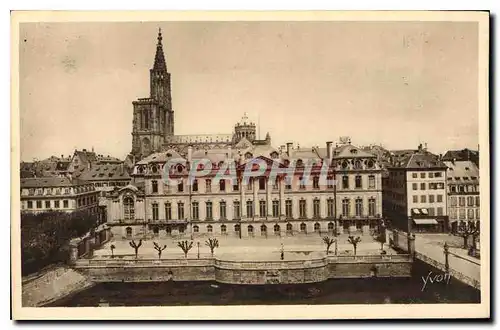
column 257, row 248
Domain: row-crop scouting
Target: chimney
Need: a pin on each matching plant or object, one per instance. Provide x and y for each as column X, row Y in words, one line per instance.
column 84, row 150
column 329, row 149
column 420, row 147
column 289, row 146
column 190, row 154
column 425, row 147
column 440, row 157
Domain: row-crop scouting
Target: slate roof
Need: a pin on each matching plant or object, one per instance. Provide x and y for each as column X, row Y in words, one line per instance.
column 105, row 172
column 49, row 182
column 350, row 151
column 418, row 160
column 160, row 157
column 462, row 172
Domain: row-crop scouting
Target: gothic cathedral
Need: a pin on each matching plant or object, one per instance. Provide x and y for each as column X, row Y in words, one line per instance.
column 153, row 119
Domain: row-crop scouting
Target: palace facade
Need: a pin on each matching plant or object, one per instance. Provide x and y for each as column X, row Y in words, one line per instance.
column 336, row 189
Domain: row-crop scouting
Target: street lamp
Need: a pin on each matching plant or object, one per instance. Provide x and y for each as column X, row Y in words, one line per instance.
column 198, row 243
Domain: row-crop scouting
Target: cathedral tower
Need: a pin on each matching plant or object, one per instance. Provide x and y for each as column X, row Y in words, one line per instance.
column 153, row 116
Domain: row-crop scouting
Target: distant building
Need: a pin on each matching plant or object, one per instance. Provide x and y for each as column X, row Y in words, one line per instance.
column 415, row 192
column 57, row 194
column 462, row 155
column 50, row 167
column 463, row 192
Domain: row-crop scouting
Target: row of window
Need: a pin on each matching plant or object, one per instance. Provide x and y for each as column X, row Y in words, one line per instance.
column 472, row 214
column 48, row 204
column 430, row 175
column 56, row 191
column 430, row 185
column 358, row 184
column 262, row 210
column 438, row 211
column 428, row 199
column 84, row 201
column 111, row 184
column 471, row 201
column 464, row 188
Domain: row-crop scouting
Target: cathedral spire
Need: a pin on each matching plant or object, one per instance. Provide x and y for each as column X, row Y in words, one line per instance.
column 160, row 64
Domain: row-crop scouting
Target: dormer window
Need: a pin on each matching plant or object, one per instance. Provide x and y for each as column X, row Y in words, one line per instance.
column 354, row 151
column 154, row 169
column 248, row 155
column 180, row 168
column 357, row 164
column 300, row 163
column 345, row 164
column 370, row 164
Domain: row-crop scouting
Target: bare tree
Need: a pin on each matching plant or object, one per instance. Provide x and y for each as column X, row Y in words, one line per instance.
column 136, row 246
column 354, row 241
column 212, row 243
column 328, row 242
column 185, row 247
column 159, row 249
column 467, row 229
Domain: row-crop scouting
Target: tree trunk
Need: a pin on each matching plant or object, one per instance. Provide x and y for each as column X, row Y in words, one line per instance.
column 465, row 241
column 354, row 249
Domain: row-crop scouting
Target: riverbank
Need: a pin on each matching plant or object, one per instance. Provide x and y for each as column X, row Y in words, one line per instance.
column 333, row 291
column 52, row 284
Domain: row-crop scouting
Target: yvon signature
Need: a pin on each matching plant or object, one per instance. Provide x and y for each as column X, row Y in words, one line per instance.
column 435, row 278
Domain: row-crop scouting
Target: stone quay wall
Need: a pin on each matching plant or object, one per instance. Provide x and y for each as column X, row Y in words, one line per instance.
column 244, row 272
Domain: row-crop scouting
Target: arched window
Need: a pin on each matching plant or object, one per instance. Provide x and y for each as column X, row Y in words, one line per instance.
column 222, row 185
column 250, row 230
column 237, row 228
column 330, row 226
column 263, row 230
column 289, row 227
column 223, row 229
column 317, row 227
column 196, row 229
column 129, row 232
column 156, row 230
column 210, row 228
column 128, row 208
column 276, row 229
column 303, row 227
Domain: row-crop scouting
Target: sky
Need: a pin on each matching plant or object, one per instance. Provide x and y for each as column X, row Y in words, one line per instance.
column 392, row 83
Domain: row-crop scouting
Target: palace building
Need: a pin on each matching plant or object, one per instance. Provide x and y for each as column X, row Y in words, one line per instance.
column 301, row 191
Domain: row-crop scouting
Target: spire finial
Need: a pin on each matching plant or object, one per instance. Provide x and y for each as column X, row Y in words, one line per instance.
column 159, row 36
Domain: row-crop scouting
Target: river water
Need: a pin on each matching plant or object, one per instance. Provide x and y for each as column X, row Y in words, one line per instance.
column 334, row 291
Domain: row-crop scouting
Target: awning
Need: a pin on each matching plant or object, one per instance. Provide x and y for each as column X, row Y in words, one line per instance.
column 416, row 211
column 425, row 221
column 424, row 211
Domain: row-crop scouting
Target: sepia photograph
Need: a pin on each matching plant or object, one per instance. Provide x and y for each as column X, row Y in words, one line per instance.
column 217, row 165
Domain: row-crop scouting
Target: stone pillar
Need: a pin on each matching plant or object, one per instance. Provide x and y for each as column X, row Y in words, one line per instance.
column 282, row 197
column 411, row 245
column 73, row 251
column 255, row 185
column 243, row 202
column 269, row 210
